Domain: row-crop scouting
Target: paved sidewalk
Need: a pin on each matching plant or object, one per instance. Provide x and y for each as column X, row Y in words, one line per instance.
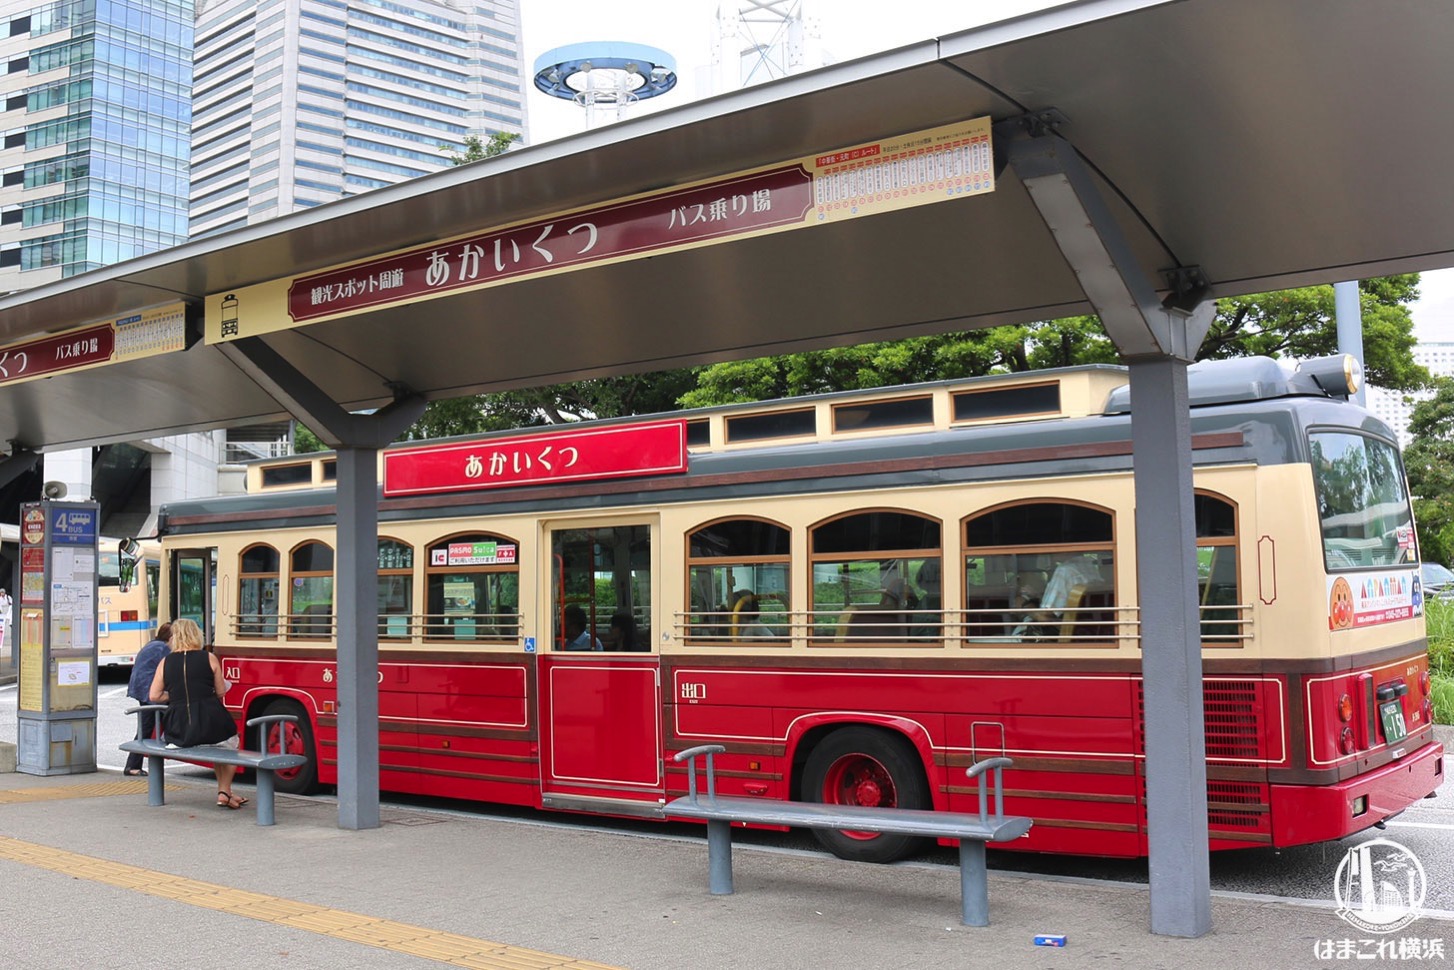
column 91, row 876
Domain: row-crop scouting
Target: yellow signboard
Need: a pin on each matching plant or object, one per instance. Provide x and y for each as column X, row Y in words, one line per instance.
column 919, row 168
column 32, row 661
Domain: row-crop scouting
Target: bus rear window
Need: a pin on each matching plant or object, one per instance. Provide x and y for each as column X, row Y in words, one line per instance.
column 1362, row 502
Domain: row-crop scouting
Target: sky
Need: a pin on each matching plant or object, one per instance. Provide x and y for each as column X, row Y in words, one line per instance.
column 846, row 28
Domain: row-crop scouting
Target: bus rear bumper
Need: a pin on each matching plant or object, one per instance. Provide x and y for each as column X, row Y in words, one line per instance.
column 1302, row 813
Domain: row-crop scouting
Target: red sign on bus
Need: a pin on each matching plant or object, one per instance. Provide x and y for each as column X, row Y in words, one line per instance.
column 658, row 448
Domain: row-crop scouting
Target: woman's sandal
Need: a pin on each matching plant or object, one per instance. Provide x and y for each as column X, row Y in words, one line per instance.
column 233, row 802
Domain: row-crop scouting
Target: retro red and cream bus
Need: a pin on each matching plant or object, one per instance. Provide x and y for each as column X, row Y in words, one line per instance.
column 860, row 595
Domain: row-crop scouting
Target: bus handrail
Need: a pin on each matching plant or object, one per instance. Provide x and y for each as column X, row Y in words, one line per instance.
column 1230, row 622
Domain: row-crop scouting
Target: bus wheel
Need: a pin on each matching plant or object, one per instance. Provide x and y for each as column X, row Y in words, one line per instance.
column 297, row 739
column 866, row 766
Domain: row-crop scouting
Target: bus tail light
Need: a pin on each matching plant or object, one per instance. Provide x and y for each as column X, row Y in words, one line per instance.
column 128, row 616
column 1367, row 710
column 1345, row 741
column 1428, row 710
column 1424, row 682
column 1345, row 708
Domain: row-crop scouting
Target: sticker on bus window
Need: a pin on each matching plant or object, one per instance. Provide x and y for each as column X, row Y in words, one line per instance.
column 472, row 554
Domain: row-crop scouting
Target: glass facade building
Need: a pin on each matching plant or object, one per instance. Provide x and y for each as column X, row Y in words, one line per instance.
column 94, row 167
column 302, row 102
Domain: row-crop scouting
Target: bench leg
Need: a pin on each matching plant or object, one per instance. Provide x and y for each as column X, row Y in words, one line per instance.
column 719, row 858
column 264, row 797
column 156, row 780
column 974, row 887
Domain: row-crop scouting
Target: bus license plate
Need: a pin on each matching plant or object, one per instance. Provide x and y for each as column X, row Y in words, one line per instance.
column 1392, row 715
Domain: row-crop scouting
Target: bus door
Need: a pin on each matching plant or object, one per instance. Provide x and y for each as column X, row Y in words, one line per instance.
column 189, row 588
column 599, row 677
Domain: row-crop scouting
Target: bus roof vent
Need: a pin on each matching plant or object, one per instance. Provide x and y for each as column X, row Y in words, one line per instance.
column 1240, row 379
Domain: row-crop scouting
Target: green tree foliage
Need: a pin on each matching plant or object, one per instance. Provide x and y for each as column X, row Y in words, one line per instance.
column 1290, row 323
column 608, row 397
column 1076, row 340
column 305, row 441
column 1429, row 462
column 1300, row 323
column 476, row 148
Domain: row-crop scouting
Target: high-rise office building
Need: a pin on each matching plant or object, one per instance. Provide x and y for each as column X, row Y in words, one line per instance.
column 110, row 143
column 94, row 169
column 301, row 102
column 1396, row 407
column 94, row 163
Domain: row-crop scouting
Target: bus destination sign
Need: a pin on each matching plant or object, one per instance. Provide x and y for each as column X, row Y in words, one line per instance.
column 655, row 448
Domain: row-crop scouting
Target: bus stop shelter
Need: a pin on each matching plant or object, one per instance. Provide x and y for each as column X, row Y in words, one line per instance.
column 1135, row 159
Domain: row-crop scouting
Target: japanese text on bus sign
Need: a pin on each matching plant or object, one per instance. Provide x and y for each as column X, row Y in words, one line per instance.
column 655, row 448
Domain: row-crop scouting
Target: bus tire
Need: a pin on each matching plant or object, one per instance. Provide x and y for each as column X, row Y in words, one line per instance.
column 297, row 739
column 866, row 766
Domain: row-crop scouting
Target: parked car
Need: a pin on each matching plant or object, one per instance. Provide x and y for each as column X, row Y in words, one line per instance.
column 1437, row 580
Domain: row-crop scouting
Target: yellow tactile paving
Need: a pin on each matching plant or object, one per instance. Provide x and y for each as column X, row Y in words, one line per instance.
column 420, row 941
column 93, row 790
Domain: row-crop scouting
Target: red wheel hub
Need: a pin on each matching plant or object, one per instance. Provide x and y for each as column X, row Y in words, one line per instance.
column 857, row 779
column 291, row 743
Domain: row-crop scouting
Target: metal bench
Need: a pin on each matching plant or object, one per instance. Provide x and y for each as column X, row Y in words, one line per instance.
column 263, row 763
column 972, row 831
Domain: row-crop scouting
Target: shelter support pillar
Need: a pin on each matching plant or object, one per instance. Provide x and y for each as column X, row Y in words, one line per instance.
column 1171, row 655
column 357, row 439
column 1158, row 339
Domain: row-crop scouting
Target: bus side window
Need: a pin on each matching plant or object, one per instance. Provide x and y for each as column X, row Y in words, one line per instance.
column 310, row 576
column 738, row 582
column 1031, row 559
column 257, row 595
column 471, row 584
column 1217, row 593
column 865, row 564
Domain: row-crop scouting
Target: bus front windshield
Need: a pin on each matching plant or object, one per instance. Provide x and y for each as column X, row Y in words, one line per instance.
column 108, row 569
column 1363, row 503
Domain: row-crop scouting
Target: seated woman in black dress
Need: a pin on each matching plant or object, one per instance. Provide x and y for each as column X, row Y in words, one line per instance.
column 191, row 672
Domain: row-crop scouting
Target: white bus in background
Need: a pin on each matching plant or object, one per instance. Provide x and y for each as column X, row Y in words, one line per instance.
column 125, row 620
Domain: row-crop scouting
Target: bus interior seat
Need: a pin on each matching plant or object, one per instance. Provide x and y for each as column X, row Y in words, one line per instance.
column 314, row 621
column 734, row 625
column 1096, row 619
column 1070, row 620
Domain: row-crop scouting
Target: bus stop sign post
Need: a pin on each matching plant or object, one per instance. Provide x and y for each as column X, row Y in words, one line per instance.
column 56, row 606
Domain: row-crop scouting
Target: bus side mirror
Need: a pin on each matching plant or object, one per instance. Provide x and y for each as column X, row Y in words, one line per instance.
column 128, row 552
